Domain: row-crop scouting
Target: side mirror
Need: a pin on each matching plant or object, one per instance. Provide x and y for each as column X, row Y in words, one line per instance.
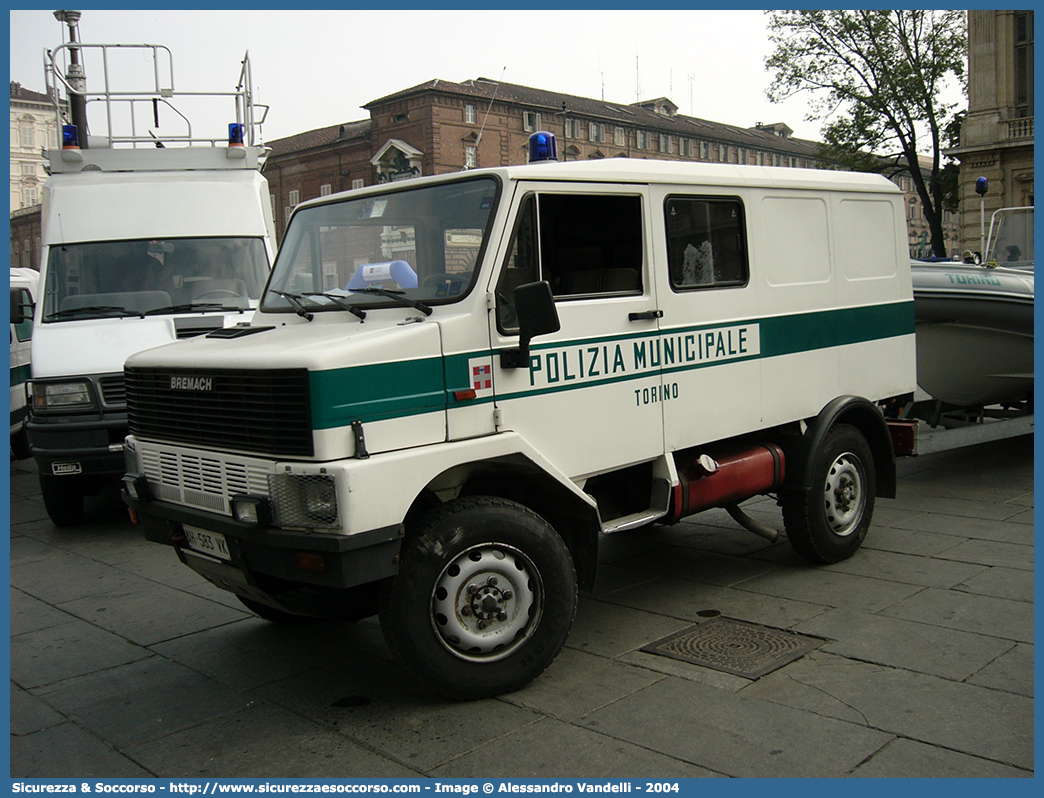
column 537, row 315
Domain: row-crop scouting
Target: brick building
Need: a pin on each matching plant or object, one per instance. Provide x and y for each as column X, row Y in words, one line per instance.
column 440, row 126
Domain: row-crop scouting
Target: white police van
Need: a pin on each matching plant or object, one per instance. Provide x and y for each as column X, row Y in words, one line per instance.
column 456, row 386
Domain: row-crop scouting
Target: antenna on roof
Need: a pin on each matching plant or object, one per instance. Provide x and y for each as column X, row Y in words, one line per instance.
column 482, row 127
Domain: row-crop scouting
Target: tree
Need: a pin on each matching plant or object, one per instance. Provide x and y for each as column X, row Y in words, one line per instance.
column 877, row 76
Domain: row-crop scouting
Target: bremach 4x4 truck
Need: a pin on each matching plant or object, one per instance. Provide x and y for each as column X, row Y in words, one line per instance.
column 142, row 245
column 456, row 386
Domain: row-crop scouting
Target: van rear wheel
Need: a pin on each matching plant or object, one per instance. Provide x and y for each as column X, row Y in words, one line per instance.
column 829, row 522
column 484, row 598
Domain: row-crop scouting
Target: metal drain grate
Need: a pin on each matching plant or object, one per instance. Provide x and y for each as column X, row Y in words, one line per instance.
column 736, row 647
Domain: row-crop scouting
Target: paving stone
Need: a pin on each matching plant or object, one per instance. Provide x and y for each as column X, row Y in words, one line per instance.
column 902, row 757
column 262, row 741
column 610, row 630
column 678, row 598
column 733, row 735
column 905, row 644
column 974, row 528
column 577, row 683
column 708, row 567
column 67, row 751
column 1011, row 620
column 669, row 666
column 30, row 714
column 908, row 569
column 29, row 614
column 831, row 589
column 252, row 652
column 1012, row 671
column 382, row 707
column 71, row 649
column 142, row 701
column 962, row 717
column 552, row 747
column 64, row 577
column 992, row 553
column 908, row 541
column 1009, row 583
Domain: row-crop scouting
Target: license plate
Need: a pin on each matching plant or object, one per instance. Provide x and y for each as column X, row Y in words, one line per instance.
column 212, row 543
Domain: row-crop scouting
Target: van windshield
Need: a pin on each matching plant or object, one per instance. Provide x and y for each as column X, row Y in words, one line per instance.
column 107, row 279
column 413, row 246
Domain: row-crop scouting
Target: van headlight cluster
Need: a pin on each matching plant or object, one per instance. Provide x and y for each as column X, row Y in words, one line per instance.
column 303, row 501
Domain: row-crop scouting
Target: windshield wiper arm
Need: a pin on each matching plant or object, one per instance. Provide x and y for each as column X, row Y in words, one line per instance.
column 191, row 307
column 94, row 310
column 398, row 296
column 339, row 301
column 295, row 303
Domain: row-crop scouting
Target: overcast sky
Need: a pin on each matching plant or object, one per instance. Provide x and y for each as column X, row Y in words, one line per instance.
column 317, row 68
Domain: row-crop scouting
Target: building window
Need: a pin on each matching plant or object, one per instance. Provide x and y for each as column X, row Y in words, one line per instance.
column 398, row 119
column 686, row 147
column 665, row 143
column 642, row 140
column 325, row 190
column 27, row 134
column 29, row 196
column 1023, row 64
column 469, row 114
column 29, row 169
column 357, row 183
column 294, row 198
column 620, row 136
column 723, row 153
column 597, row 132
column 572, row 128
column 470, row 156
column 530, row 121
column 705, row 150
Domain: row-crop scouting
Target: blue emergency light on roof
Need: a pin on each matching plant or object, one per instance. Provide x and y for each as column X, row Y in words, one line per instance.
column 982, row 185
column 235, row 134
column 542, row 147
column 70, row 137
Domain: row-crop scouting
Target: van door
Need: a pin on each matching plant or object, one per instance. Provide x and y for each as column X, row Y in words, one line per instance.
column 589, row 398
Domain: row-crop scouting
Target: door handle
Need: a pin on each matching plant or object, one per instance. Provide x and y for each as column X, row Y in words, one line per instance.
column 645, row 315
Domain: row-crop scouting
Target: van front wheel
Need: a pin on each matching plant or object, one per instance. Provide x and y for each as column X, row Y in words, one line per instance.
column 829, row 522
column 62, row 498
column 484, row 598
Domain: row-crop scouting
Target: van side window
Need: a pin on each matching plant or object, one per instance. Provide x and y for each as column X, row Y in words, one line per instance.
column 584, row 245
column 24, row 331
column 706, row 242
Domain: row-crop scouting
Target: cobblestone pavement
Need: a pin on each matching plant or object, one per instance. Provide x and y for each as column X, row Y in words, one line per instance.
column 125, row 663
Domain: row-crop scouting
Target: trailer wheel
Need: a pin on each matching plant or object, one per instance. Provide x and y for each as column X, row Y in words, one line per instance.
column 63, row 499
column 484, row 598
column 829, row 522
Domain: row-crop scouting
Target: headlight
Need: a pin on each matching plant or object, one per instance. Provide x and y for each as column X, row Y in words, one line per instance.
column 62, row 395
column 306, row 501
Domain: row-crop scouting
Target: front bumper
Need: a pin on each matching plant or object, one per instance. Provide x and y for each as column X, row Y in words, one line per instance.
column 268, row 559
column 77, row 446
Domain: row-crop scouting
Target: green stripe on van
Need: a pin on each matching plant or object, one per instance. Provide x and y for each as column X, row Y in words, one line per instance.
column 376, row 392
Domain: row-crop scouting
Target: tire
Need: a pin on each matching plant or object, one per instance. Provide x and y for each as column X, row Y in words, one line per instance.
column 274, row 615
column 829, row 522
column 63, row 499
column 484, row 598
column 20, row 445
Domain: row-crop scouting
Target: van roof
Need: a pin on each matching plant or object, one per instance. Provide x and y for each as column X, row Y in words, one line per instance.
column 645, row 171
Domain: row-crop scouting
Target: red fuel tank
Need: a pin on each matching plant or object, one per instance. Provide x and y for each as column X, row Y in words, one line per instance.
column 717, row 476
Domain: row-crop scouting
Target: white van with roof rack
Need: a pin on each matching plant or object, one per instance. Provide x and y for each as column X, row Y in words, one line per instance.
column 146, row 238
column 457, row 386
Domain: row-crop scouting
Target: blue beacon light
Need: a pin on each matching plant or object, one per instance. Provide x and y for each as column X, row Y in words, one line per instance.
column 70, row 137
column 235, row 134
column 542, row 147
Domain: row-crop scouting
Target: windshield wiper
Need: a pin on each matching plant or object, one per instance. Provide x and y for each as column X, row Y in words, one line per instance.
column 190, row 307
column 339, row 301
column 295, row 303
column 94, row 310
column 398, row 296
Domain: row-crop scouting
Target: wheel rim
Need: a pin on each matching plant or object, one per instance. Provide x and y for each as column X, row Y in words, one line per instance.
column 486, row 602
column 844, row 494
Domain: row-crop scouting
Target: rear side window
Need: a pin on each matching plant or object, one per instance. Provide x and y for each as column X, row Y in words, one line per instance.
column 706, row 242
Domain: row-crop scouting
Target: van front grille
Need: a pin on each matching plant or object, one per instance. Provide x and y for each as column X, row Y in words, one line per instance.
column 256, row 411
